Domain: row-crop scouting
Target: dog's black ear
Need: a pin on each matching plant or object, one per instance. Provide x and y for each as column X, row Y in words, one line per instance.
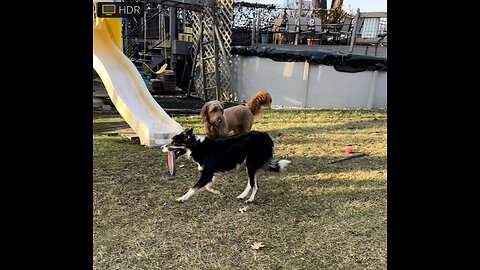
column 189, row 132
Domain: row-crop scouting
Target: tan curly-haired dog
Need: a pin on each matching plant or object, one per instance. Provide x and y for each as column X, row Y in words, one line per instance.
column 219, row 122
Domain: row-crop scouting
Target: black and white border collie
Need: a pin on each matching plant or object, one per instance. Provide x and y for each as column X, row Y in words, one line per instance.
column 214, row 156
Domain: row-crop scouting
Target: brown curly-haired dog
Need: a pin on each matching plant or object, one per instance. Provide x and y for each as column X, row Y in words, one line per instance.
column 219, row 122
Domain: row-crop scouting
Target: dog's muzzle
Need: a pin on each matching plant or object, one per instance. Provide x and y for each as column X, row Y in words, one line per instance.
column 216, row 124
column 177, row 150
column 164, row 148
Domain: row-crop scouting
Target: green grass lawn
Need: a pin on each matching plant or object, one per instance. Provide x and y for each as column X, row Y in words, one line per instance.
column 313, row 215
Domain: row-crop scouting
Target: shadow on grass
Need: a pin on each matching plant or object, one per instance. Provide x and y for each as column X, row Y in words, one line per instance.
column 313, row 215
column 337, row 128
column 293, row 213
column 320, row 164
column 109, row 127
column 310, row 191
column 298, row 184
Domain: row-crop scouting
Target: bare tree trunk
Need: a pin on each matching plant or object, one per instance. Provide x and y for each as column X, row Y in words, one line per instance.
column 335, row 4
column 336, row 12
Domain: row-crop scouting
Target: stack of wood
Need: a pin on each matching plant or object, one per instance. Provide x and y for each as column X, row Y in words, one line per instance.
column 169, row 81
column 155, row 86
column 164, row 84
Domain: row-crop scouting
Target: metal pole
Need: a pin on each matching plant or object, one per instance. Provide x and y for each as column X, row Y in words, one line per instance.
column 354, row 30
column 144, row 34
column 257, row 24
column 297, row 27
column 124, row 39
column 160, row 18
column 173, row 35
column 253, row 32
column 173, row 23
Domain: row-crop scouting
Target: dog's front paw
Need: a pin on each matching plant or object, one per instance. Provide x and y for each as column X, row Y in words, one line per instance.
column 241, row 196
column 182, row 199
column 248, row 201
column 186, row 196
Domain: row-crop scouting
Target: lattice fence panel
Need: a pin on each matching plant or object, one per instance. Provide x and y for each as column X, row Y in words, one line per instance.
column 224, row 27
column 205, row 65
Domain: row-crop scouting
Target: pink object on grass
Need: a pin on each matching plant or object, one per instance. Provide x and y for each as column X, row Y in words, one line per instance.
column 348, row 150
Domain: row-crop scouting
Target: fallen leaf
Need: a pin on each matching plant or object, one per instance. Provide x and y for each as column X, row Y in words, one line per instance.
column 181, row 166
column 243, row 209
column 257, row 245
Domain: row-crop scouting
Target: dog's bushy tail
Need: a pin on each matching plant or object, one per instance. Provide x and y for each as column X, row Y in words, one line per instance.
column 256, row 101
column 278, row 166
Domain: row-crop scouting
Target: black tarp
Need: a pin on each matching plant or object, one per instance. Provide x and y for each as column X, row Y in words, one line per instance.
column 340, row 61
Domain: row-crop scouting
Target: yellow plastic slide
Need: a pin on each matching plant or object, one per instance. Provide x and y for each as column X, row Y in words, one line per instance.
column 127, row 90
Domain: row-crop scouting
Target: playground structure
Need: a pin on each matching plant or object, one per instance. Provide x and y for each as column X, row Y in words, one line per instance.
column 126, row 87
column 192, row 37
column 215, row 73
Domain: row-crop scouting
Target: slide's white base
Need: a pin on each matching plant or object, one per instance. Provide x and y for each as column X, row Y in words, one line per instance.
column 127, row 90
